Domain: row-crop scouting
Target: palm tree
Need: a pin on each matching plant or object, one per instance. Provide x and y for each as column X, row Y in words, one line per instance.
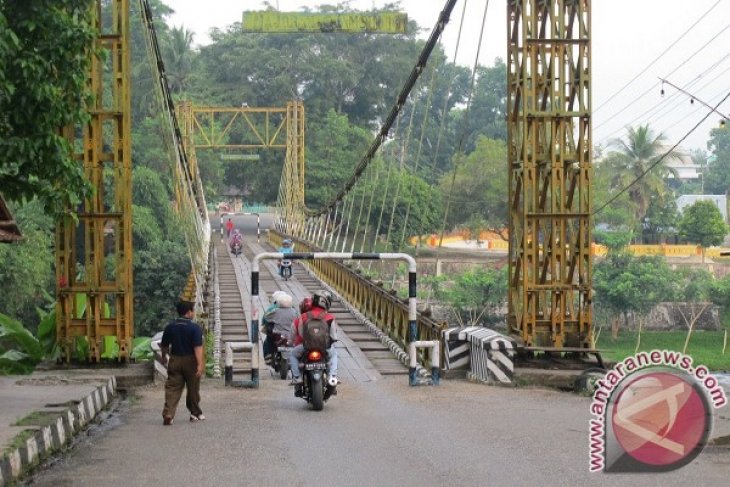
column 637, row 162
column 179, row 60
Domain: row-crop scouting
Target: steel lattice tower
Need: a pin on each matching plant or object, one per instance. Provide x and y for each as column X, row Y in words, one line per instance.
column 549, row 137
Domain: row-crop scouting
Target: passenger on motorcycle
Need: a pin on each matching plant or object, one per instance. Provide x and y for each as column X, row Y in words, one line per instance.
column 277, row 320
column 235, row 239
column 287, row 247
column 321, row 302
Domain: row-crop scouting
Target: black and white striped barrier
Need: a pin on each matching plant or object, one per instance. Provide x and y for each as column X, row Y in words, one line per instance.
column 258, row 223
column 412, row 313
column 491, row 354
column 456, row 349
column 413, row 355
column 231, row 348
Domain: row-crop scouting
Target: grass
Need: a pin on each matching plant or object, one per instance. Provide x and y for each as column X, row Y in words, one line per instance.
column 18, row 441
column 38, row 418
column 705, row 347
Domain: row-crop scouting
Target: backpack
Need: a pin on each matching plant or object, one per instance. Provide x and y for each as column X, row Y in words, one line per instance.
column 316, row 332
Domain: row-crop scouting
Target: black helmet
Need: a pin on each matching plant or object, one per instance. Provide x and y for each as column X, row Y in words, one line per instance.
column 322, row 299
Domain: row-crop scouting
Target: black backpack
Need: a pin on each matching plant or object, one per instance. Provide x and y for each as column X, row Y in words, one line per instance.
column 316, row 332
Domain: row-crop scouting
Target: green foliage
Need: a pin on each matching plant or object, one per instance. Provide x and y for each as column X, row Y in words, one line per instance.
column 696, row 284
column 333, row 149
column 625, row 283
column 26, row 267
column 717, row 177
column 149, row 191
column 47, row 335
column 719, row 293
column 636, row 159
column 473, row 296
column 702, row 224
column 615, row 241
column 19, row 349
column 160, row 273
column 660, row 221
column 145, row 228
column 44, row 59
column 141, row 349
column 480, row 186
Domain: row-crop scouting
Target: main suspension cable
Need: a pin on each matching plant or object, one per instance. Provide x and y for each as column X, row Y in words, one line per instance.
column 395, row 110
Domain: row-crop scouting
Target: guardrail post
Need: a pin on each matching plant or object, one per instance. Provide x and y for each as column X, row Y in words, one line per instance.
column 413, row 347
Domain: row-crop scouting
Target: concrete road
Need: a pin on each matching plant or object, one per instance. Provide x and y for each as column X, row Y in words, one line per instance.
column 380, row 433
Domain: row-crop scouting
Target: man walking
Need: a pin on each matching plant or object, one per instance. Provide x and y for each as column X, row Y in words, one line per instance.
column 183, row 341
column 229, row 228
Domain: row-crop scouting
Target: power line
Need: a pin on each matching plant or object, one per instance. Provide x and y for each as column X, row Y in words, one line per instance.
column 631, row 103
column 663, row 156
column 658, row 57
column 657, row 111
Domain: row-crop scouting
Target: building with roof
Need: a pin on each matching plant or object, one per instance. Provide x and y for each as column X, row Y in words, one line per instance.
column 9, row 230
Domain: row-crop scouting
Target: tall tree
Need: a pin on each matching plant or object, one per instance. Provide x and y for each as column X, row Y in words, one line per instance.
column 717, row 178
column 44, row 61
column 179, row 59
column 702, row 223
column 637, row 161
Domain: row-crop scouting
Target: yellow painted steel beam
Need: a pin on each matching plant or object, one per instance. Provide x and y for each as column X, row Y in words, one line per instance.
column 92, row 301
column 549, row 140
column 259, row 128
column 271, row 21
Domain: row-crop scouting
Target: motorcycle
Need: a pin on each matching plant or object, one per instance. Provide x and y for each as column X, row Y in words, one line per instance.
column 316, row 387
column 236, row 249
column 285, row 269
column 280, row 360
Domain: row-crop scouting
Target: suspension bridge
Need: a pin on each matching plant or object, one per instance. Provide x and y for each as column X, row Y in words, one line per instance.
column 549, row 167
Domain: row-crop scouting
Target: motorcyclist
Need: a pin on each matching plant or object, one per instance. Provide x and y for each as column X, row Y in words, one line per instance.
column 287, row 247
column 321, row 302
column 277, row 320
column 294, row 337
column 236, row 239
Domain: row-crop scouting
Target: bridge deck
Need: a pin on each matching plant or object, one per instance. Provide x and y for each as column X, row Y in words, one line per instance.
column 362, row 357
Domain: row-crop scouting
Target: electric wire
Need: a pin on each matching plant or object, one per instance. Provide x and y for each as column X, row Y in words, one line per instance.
column 659, row 160
column 395, row 110
column 658, row 57
column 659, row 110
column 680, row 65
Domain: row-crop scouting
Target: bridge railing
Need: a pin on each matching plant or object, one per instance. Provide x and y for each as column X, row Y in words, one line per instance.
column 377, row 304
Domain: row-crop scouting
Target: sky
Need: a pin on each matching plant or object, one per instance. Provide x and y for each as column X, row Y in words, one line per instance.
column 634, row 42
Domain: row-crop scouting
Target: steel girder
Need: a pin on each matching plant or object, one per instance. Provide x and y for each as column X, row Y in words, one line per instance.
column 95, row 300
column 549, row 139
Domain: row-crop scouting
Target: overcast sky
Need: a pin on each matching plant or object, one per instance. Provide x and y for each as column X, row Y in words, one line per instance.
column 629, row 36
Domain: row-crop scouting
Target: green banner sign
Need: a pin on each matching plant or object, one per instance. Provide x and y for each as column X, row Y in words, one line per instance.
column 271, row 21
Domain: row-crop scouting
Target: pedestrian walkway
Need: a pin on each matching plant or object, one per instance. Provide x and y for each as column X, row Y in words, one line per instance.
column 39, row 413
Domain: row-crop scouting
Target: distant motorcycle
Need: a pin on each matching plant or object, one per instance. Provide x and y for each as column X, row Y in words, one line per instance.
column 236, row 249
column 316, row 387
column 285, row 269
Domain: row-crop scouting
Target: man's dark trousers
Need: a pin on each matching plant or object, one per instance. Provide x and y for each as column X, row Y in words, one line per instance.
column 181, row 374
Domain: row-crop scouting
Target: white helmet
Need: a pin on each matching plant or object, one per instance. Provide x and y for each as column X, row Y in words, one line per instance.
column 276, row 295
column 284, row 300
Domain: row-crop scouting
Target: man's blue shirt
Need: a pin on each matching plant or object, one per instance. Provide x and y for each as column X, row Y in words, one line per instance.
column 182, row 335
